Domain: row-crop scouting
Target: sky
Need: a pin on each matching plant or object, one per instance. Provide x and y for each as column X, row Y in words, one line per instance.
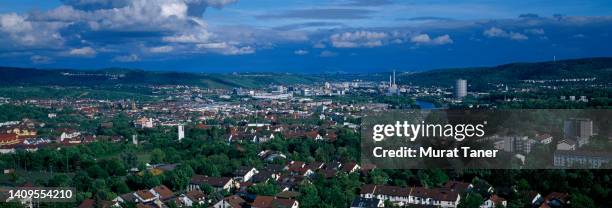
column 303, row 36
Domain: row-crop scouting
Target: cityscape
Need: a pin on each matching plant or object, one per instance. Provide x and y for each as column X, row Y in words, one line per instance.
column 227, row 103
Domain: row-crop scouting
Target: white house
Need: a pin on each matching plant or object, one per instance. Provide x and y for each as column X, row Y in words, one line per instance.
column 69, row 135
column 244, row 174
column 440, row 197
column 566, row 144
column 494, row 202
column 218, row 183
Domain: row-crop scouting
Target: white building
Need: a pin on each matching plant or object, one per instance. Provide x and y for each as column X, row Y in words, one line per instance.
column 460, row 88
column 181, row 132
column 439, row 197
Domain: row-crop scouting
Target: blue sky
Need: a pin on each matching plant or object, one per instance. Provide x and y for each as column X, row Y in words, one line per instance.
column 298, row 35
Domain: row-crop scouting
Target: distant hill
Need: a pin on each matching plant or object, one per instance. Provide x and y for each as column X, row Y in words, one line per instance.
column 478, row 77
column 600, row 68
column 10, row 76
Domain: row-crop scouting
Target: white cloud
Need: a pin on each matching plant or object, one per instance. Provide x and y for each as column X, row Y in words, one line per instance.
column 20, row 31
column 14, row 23
column 319, row 45
column 239, row 50
column 127, row 58
column 37, row 59
column 161, row 49
column 517, row 36
column 328, row 54
column 173, row 21
column 176, row 9
column 226, row 48
column 358, row 39
column 84, row 52
column 300, row 52
column 424, row 39
column 535, row 31
column 201, row 36
column 221, row 45
column 495, row 32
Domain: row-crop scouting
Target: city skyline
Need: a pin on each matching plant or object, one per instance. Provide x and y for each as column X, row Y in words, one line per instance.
column 314, row 36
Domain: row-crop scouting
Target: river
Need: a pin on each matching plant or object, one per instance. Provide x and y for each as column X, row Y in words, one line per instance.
column 425, row 105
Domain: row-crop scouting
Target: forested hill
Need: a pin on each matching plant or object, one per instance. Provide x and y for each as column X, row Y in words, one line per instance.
column 600, row 68
column 10, row 76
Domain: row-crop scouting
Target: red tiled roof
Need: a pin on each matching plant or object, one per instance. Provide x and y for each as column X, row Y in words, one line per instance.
column 262, row 202
column 195, row 195
column 145, row 194
column 164, row 192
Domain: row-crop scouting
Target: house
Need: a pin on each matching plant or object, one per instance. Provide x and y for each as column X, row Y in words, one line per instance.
column 144, row 196
column 360, row 202
column 22, row 131
column 334, row 165
column 232, row 201
column 398, row 195
column 567, row 144
column 144, row 122
column 87, row 203
column 288, row 195
column 483, row 187
column 295, row 165
column 192, row 198
column 535, row 197
column 543, row 138
column 125, row 198
column 9, row 139
column 440, row 197
column 314, row 166
column 591, row 159
column 288, row 182
column 69, row 134
column 314, row 135
column 350, row 167
column 273, row 202
column 494, row 201
column 264, row 176
column 244, row 173
column 458, row 186
column 271, row 156
column 327, row 173
column 556, row 199
column 218, row 183
column 162, row 192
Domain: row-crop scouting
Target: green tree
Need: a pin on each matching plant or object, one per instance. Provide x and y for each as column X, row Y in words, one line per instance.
column 470, row 200
column 157, row 156
column 579, row 200
column 267, row 189
column 309, row 195
column 59, row 180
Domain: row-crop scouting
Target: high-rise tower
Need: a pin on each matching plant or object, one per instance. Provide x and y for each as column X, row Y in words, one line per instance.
column 460, row 88
column 181, row 132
